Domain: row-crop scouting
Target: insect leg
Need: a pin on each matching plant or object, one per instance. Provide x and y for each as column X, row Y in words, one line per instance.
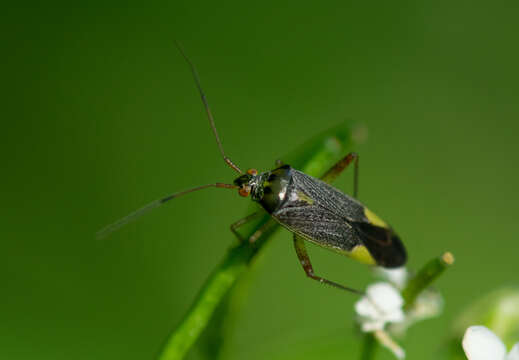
column 279, row 163
column 341, row 165
column 263, row 229
column 237, row 224
column 309, row 270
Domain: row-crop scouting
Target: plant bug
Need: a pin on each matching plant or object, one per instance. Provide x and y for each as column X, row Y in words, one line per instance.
column 308, row 207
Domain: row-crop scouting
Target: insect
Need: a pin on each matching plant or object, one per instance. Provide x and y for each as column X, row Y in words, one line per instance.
column 308, row 207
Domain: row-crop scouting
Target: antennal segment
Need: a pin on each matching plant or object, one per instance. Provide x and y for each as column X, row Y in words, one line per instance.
column 207, row 109
column 107, row 230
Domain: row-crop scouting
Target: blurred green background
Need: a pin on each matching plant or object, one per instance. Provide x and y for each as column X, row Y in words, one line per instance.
column 101, row 115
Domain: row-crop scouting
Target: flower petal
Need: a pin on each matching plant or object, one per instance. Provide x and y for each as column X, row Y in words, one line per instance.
column 385, row 296
column 372, row 325
column 480, row 343
column 381, row 304
column 396, row 276
column 514, row 353
column 365, row 308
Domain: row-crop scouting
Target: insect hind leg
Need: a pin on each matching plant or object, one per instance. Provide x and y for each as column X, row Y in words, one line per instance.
column 304, row 259
column 340, row 166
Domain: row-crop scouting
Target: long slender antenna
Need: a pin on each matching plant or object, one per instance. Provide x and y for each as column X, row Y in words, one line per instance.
column 207, row 109
column 152, row 205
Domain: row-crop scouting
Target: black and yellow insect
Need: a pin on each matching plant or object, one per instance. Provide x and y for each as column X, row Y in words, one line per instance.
column 317, row 212
column 310, row 208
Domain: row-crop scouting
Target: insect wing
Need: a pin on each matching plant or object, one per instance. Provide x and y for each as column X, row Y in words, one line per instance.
column 382, row 243
column 317, row 225
column 327, row 217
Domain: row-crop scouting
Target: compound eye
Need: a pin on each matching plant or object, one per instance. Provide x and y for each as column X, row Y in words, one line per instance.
column 252, row 172
column 244, row 191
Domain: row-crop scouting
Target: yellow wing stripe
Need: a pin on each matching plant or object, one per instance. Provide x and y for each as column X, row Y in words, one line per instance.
column 362, row 255
column 374, row 219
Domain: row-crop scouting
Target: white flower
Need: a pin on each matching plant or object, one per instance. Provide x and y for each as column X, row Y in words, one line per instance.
column 397, row 276
column 480, row 343
column 427, row 305
column 381, row 304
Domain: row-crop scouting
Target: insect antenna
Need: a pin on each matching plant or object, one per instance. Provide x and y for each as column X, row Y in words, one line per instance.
column 207, row 109
column 152, row 205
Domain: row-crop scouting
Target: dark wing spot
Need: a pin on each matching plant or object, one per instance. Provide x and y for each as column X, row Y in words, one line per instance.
column 382, row 243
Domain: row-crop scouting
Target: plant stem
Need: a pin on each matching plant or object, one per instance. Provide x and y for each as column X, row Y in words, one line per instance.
column 369, row 346
column 384, row 339
column 424, row 278
column 215, row 288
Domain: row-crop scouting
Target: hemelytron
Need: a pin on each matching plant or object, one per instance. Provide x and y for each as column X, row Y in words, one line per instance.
column 310, row 208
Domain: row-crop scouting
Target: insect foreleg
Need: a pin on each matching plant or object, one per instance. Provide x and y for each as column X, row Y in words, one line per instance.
column 245, row 220
column 340, row 166
column 256, row 235
column 262, row 230
column 307, row 266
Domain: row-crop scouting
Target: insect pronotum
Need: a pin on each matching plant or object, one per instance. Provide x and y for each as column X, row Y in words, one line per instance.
column 310, row 208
